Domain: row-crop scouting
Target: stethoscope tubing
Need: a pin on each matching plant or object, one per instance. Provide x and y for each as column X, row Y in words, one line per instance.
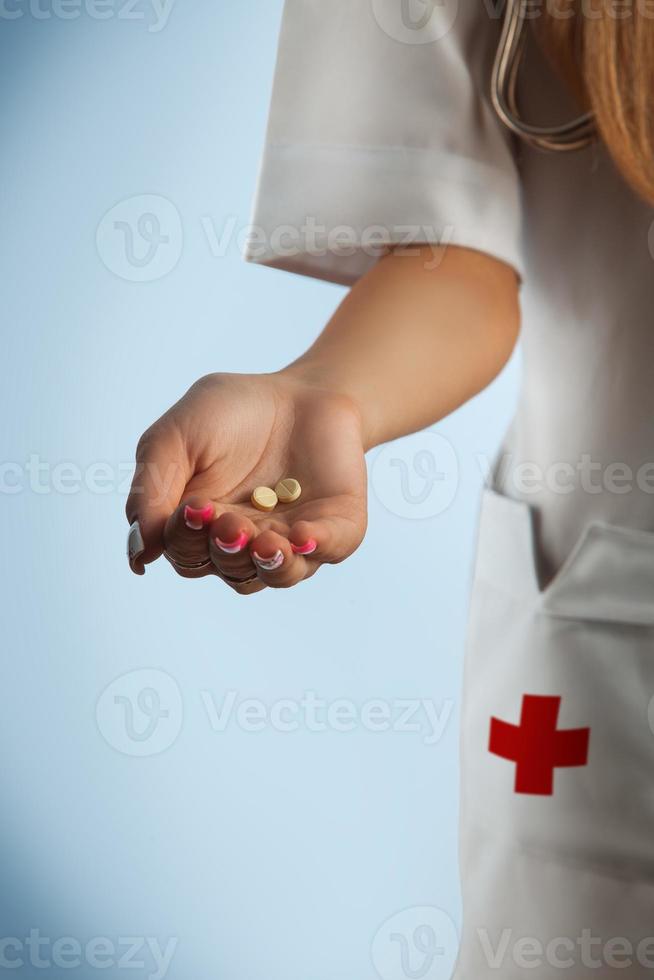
column 575, row 135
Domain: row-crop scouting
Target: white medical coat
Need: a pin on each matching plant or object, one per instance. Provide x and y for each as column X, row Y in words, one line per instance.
column 381, row 130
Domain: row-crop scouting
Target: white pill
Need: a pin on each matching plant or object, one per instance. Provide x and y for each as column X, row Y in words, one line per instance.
column 288, row 490
column 263, row 498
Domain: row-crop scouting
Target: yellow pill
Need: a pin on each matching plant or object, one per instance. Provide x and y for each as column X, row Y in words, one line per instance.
column 288, row 491
column 263, row 498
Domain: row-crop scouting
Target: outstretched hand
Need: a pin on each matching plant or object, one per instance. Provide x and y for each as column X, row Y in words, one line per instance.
column 197, row 467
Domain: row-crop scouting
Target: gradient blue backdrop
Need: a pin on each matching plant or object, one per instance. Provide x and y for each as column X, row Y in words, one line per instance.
column 262, row 854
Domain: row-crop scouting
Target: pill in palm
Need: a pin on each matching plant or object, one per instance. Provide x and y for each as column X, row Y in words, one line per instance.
column 263, row 498
column 288, row 491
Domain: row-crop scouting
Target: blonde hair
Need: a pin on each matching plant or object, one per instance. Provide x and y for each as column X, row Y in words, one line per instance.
column 605, row 50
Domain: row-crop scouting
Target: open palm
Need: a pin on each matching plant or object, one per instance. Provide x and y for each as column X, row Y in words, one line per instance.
column 197, row 467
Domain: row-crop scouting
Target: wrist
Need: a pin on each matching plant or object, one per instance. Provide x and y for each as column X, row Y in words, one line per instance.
column 311, row 377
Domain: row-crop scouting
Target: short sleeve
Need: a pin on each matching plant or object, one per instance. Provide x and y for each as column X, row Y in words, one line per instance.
column 381, row 133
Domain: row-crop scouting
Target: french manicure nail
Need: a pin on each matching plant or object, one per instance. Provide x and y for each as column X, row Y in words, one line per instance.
column 269, row 564
column 232, row 547
column 135, row 543
column 195, row 518
column 305, row 549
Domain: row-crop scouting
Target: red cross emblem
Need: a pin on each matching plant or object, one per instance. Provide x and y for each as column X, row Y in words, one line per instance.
column 536, row 746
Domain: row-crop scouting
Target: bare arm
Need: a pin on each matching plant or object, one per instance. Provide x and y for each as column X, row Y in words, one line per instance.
column 409, row 344
column 412, row 342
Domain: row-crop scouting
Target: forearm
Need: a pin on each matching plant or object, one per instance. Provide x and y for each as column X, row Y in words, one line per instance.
column 412, row 342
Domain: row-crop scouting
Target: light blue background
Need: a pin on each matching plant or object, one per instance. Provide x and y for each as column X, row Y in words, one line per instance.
column 265, row 854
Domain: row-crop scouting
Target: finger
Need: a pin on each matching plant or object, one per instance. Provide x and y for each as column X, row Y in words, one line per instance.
column 245, row 588
column 186, row 539
column 330, row 539
column 277, row 566
column 162, row 472
column 229, row 537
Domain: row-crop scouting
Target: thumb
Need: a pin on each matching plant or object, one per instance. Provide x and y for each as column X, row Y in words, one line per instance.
column 162, row 472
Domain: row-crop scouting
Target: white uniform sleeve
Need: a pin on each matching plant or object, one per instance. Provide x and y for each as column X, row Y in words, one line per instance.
column 381, row 132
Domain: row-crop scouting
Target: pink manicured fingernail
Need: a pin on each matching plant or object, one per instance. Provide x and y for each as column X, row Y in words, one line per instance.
column 307, row 548
column 195, row 517
column 232, row 547
column 269, row 564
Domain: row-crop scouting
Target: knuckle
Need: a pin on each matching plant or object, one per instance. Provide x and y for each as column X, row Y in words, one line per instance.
column 145, row 443
column 207, row 381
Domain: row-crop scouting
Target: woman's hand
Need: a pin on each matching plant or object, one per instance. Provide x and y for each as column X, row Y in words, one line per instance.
column 416, row 337
column 198, row 465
